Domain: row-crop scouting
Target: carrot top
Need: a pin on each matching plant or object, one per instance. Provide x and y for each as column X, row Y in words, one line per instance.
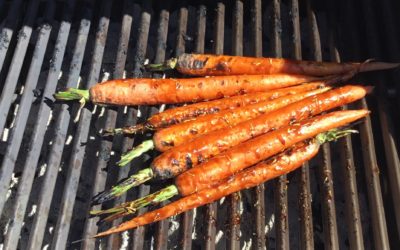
column 71, row 94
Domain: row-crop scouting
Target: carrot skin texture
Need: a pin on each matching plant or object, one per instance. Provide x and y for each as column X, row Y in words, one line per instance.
column 180, row 114
column 146, row 91
column 182, row 157
column 201, row 65
column 178, row 134
column 253, row 151
column 264, row 171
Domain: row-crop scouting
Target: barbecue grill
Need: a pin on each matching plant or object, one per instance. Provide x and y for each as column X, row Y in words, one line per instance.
column 53, row 161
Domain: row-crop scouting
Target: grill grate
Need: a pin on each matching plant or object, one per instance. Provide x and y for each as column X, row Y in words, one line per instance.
column 51, row 165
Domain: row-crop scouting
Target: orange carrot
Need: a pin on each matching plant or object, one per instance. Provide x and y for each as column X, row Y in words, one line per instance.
column 177, row 115
column 183, row 157
column 211, row 173
column 264, row 171
column 157, row 91
column 202, row 65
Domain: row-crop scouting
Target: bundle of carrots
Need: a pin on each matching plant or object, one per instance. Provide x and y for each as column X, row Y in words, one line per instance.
column 251, row 120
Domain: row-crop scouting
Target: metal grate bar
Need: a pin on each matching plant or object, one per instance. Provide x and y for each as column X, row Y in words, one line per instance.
column 391, row 153
column 114, row 241
column 304, row 193
column 38, row 227
column 348, row 170
column 161, row 237
column 8, row 31
column 218, row 48
column 324, row 172
column 140, row 53
column 259, row 191
column 81, row 135
column 15, row 68
column 25, row 183
column 187, row 218
column 280, row 192
column 235, row 199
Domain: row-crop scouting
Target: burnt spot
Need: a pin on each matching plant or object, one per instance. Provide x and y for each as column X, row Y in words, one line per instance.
column 200, row 159
column 165, row 173
column 222, row 83
column 178, row 85
column 193, row 131
column 188, row 161
column 200, row 85
column 292, row 120
column 214, row 110
column 166, row 143
column 221, row 67
column 220, row 94
column 242, row 91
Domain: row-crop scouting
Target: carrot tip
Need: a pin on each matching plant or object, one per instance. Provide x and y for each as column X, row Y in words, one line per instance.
column 125, row 130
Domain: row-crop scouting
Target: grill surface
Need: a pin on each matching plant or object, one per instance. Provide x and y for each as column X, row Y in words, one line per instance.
column 52, row 163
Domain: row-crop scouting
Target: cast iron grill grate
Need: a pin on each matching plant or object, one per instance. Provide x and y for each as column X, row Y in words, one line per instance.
column 51, row 164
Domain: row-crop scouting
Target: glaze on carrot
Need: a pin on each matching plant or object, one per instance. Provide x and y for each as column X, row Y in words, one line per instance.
column 183, row 157
column 203, row 64
column 264, row 171
column 240, row 157
column 144, row 91
column 179, row 114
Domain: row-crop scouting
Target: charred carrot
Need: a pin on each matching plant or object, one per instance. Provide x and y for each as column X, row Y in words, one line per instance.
column 281, row 164
column 146, row 91
column 178, row 134
column 182, row 157
column 177, row 115
column 202, row 65
column 242, row 156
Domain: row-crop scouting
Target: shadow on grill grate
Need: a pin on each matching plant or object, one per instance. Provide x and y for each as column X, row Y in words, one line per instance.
column 52, row 165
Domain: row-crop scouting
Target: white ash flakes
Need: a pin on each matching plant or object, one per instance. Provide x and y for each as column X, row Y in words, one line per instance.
column 247, row 245
column 270, row 224
column 33, row 210
column 218, row 237
column 42, row 169
column 125, row 240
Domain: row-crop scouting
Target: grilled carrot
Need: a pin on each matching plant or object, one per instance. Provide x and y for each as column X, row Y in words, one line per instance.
column 283, row 163
column 182, row 157
column 157, row 91
column 202, row 65
column 177, row 115
column 178, row 134
column 215, row 170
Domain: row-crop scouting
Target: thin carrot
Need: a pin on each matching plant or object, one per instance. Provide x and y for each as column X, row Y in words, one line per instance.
column 264, row 171
column 158, row 91
column 183, row 157
column 181, row 133
column 234, row 160
column 177, row 115
column 203, row 64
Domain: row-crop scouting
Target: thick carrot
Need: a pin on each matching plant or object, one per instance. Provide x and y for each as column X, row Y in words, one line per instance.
column 217, row 169
column 177, row 115
column 158, row 91
column 178, row 134
column 181, row 133
column 182, row 157
column 202, row 65
column 264, row 171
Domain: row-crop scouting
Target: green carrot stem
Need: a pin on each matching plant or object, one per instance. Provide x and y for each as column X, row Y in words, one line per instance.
column 167, row 65
column 333, row 135
column 71, row 94
column 134, row 180
column 126, row 130
column 131, row 207
column 136, row 152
